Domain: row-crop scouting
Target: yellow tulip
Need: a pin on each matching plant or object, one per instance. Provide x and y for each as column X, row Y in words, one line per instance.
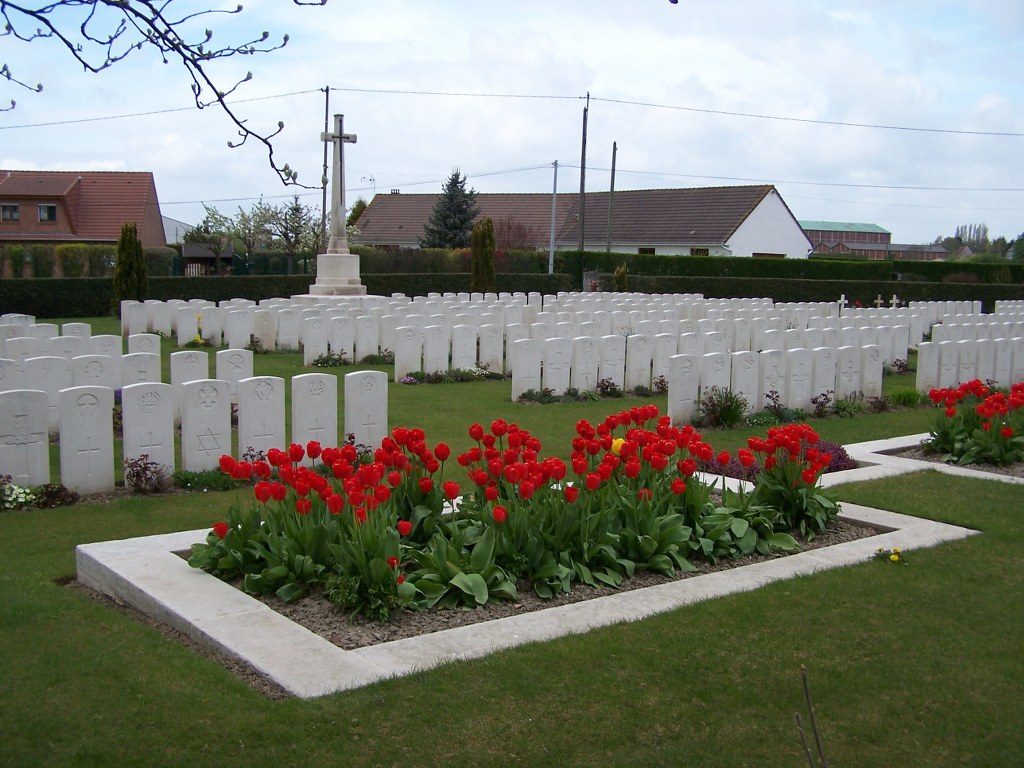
column 617, row 445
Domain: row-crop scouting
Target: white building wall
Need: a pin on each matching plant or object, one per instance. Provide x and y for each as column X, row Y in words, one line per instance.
column 770, row 228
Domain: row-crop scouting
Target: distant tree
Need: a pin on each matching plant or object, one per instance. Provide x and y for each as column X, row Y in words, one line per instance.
column 513, row 233
column 252, row 228
column 215, row 233
column 99, row 33
column 294, row 226
column 482, row 276
column 130, row 279
column 357, row 210
column 1017, row 248
column 451, row 221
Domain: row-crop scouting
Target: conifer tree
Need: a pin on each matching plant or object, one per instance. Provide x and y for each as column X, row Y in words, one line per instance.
column 130, row 279
column 483, row 278
column 451, row 221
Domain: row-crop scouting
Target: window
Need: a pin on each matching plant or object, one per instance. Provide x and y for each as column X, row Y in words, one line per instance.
column 9, row 213
column 645, row 251
column 699, row 252
column 48, row 212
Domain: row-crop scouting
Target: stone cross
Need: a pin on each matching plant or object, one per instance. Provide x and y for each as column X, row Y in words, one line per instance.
column 879, row 302
column 895, row 301
column 337, row 270
column 338, row 242
column 842, row 302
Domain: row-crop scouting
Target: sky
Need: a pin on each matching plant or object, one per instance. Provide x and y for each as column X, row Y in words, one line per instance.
column 904, row 114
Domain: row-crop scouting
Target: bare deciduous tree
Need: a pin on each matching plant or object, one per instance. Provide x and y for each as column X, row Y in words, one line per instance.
column 101, row 33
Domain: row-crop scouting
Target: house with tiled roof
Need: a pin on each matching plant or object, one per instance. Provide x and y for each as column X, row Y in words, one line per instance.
column 709, row 221
column 53, row 207
column 865, row 241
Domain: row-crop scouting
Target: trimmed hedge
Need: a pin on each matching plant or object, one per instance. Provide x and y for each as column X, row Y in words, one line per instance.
column 578, row 262
column 91, row 296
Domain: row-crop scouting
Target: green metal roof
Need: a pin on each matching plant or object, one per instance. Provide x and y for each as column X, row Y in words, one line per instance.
column 841, row 226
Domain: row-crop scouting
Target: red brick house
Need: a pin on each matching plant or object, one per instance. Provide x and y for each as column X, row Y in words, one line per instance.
column 865, row 241
column 53, row 207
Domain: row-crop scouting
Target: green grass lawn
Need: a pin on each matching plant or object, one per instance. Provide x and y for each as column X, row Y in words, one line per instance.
column 917, row 665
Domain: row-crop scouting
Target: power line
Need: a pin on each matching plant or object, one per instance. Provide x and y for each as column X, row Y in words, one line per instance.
column 657, row 174
column 841, row 123
column 550, row 97
column 149, row 113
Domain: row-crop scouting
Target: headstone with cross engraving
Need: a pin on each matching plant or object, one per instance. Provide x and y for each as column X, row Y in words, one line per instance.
column 95, row 371
column 639, row 353
column 772, row 376
column 50, row 374
column 612, row 365
column 87, row 439
column 315, row 338
column 585, row 358
column 464, row 341
column 556, row 354
column 205, row 423
column 24, row 436
column 144, row 342
column 823, row 372
column 147, row 413
column 188, row 365
column 233, row 365
column 366, row 407
column 260, row 414
column 315, row 409
column 684, row 387
column 139, row 367
column 492, row 347
column 743, row 377
column 525, row 357
column 436, row 346
column 408, row 351
column 799, row 381
column 237, row 328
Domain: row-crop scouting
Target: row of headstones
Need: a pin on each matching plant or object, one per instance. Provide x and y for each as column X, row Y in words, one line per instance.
column 944, row 364
column 992, row 327
column 148, row 424
column 795, row 375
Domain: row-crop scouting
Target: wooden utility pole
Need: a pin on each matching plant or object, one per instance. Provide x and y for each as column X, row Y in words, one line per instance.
column 611, row 194
column 583, row 175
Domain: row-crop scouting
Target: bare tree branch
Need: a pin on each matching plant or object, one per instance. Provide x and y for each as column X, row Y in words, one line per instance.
column 105, row 32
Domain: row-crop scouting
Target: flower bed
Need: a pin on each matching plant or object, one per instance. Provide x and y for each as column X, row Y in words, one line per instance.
column 369, row 528
column 978, row 425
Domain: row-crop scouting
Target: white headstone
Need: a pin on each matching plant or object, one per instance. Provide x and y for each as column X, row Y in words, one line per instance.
column 289, row 327
column 315, row 338
column 367, row 337
column 87, row 439
column 967, row 360
column 264, row 328
column 147, row 411
column 260, row 414
column 315, row 409
column 1003, row 365
column 140, row 367
column 715, row 370
column 464, row 338
column 144, row 342
column 95, row 371
column 205, row 423
column 848, row 379
column 743, row 378
column 683, row 387
column 366, row 407
column 799, row 378
column 585, row 359
column 823, row 372
column 492, row 347
column 24, row 436
column 233, row 365
column 525, row 357
column 238, row 325
column 408, row 351
column 771, row 377
column 557, row 362
column 612, row 365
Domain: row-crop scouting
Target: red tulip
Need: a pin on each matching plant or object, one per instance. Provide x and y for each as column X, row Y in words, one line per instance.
column 221, row 529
